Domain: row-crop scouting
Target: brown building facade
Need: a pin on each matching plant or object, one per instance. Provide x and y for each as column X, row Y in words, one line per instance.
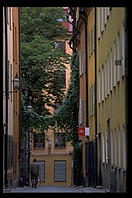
column 11, row 69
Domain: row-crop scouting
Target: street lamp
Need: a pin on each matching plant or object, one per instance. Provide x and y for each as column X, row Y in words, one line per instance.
column 29, row 112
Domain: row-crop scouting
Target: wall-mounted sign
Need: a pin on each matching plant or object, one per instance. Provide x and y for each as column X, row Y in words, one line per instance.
column 81, row 131
column 84, row 131
column 87, row 131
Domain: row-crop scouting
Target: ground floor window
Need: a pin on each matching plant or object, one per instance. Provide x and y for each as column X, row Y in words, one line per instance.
column 60, row 170
column 42, row 170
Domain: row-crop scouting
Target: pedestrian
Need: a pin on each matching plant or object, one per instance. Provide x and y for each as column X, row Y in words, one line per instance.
column 35, row 173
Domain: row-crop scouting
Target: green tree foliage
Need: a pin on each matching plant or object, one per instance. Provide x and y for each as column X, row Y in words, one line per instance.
column 66, row 117
column 40, row 63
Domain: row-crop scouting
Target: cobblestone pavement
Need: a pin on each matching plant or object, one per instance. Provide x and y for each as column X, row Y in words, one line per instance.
column 54, row 189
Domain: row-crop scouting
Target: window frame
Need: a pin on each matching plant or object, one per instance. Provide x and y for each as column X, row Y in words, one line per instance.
column 38, row 147
column 64, row 180
column 60, row 144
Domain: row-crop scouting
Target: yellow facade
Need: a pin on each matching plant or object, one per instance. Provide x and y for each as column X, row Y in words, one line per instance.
column 111, row 94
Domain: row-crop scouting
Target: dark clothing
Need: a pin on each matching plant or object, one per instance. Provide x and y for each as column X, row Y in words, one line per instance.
column 34, row 171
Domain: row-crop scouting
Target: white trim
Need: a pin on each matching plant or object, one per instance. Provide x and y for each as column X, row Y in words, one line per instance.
column 123, row 51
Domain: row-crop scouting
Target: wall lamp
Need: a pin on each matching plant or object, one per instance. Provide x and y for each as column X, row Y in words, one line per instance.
column 16, row 85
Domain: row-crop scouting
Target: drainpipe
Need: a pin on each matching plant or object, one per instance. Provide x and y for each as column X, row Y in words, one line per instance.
column 86, row 65
column 126, row 82
column 6, row 93
column 86, row 69
column 19, row 15
column 95, row 93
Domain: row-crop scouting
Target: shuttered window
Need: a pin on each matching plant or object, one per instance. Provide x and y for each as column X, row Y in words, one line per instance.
column 60, row 171
column 42, row 170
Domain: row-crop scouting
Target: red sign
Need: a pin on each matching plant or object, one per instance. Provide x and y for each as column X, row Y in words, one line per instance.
column 81, row 131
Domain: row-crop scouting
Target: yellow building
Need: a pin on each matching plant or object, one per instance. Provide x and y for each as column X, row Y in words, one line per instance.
column 53, row 153
column 85, row 46
column 111, row 98
column 100, row 39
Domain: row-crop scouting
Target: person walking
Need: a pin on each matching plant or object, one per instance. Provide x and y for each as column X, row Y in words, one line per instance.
column 35, row 173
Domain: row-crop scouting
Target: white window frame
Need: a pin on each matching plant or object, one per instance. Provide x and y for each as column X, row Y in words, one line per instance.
column 123, row 51
column 106, row 148
column 112, row 149
column 101, row 19
column 103, row 95
column 103, row 148
column 124, row 148
column 105, row 72
column 108, row 76
column 119, row 148
column 105, row 15
column 111, row 71
column 118, row 57
column 98, row 23
column 114, row 58
column 99, row 87
column 115, row 144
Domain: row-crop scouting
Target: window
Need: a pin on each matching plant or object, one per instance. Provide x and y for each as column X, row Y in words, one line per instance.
column 111, row 70
column 38, row 141
column 123, row 51
column 105, row 71
column 98, row 22
column 124, row 148
column 80, row 118
column 118, row 57
column 114, row 58
column 102, row 82
column 108, row 76
column 80, row 63
column 60, row 141
column 42, row 170
column 119, row 148
column 103, row 148
column 99, row 91
column 112, row 148
column 9, row 17
column 115, row 148
column 63, row 78
column 60, row 44
column 60, row 171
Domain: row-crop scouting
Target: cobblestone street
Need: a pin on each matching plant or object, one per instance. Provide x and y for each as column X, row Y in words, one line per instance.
column 55, row 189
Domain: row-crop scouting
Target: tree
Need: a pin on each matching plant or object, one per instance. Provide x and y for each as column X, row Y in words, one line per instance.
column 66, row 117
column 40, row 63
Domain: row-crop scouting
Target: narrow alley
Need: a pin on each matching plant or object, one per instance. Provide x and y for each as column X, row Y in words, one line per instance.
column 65, row 100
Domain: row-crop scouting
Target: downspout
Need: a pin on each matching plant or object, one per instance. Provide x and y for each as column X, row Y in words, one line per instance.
column 126, row 84
column 19, row 15
column 86, row 68
column 6, row 94
column 95, row 93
